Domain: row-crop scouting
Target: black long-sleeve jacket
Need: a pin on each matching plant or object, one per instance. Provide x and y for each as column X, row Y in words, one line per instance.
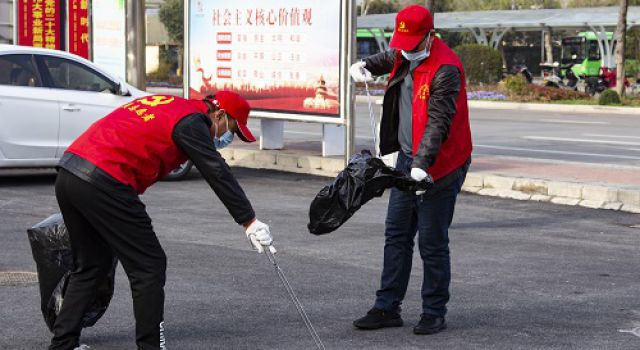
column 193, row 137
column 444, row 91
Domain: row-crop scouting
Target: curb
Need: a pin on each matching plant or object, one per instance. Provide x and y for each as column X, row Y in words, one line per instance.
column 481, row 183
column 540, row 107
column 277, row 160
column 557, row 192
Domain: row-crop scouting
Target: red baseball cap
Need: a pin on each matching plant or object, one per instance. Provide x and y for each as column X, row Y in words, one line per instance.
column 238, row 108
column 412, row 25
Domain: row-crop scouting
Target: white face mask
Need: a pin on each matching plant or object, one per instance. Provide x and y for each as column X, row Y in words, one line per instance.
column 417, row 56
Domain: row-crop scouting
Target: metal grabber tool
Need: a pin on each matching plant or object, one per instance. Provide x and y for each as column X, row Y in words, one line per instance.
column 294, row 298
column 373, row 120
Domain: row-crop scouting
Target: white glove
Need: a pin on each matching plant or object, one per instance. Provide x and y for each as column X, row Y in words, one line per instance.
column 360, row 74
column 418, row 175
column 259, row 236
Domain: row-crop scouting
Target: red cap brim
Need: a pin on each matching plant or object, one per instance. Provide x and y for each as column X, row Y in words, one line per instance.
column 245, row 134
column 405, row 42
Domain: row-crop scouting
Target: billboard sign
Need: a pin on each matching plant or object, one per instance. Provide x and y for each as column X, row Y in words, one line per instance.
column 283, row 56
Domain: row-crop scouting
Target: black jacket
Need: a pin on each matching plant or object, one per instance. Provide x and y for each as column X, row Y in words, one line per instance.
column 193, row 137
column 442, row 107
column 444, row 89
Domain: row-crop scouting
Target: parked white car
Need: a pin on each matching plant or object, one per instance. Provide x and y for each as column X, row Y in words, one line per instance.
column 47, row 99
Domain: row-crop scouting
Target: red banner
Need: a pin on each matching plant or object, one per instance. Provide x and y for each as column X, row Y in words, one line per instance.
column 39, row 23
column 78, row 19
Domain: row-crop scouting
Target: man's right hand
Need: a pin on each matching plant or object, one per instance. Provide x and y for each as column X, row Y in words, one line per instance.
column 359, row 74
column 259, row 235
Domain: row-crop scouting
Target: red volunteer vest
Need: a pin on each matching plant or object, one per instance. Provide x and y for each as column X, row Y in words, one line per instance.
column 133, row 143
column 456, row 149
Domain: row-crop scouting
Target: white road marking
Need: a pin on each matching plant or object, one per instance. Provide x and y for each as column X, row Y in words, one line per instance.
column 565, row 139
column 612, row 136
column 634, row 331
column 566, row 121
column 556, row 152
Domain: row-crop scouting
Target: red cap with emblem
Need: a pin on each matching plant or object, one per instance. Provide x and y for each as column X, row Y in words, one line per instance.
column 412, row 25
column 237, row 108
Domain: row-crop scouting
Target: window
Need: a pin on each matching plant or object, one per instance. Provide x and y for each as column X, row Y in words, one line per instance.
column 67, row 74
column 18, row 70
column 367, row 47
column 573, row 50
column 594, row 50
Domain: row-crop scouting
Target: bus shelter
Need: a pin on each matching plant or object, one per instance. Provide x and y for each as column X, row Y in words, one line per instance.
column 488, row 27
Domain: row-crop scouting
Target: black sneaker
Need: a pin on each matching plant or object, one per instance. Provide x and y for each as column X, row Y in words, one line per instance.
column 430, row 324
column 377, row 318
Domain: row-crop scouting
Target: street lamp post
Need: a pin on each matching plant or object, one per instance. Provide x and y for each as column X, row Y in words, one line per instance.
column 136, row 43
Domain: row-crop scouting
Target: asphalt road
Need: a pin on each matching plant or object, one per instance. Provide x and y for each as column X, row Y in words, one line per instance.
column 577, row 137
column 526, row 275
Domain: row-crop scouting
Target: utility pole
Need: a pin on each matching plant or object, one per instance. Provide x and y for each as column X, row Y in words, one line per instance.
column 621, row 33
column 136, row 43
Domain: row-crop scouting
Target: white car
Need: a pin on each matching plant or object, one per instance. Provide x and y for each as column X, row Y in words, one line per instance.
column 47, row 99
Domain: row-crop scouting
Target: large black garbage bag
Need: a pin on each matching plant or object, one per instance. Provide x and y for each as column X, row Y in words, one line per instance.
column 51, row 250
column 364, row 178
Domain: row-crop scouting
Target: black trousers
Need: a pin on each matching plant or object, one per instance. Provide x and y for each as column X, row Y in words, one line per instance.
column 100, row 226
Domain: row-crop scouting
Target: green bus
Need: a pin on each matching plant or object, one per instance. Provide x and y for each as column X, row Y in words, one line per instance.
column 583, row 52
column 370, row 41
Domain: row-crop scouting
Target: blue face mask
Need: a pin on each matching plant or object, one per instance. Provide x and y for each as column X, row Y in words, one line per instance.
column 417, row 56
column 226, row 138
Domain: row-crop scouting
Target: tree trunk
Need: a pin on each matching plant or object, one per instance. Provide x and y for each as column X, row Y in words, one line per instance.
column 621, row 36
column 430, row 4
column 548, row 47
column 365, row 7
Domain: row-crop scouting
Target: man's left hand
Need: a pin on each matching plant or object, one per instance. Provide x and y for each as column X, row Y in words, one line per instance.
column 420, row 175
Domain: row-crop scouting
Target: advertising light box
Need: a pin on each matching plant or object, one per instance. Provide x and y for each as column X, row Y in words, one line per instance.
column 283, row 56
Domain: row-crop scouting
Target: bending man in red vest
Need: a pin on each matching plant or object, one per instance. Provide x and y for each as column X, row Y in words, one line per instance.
column 99, row 180
column 425, row 118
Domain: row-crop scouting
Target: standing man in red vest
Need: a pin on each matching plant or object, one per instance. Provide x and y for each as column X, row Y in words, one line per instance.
column 425, row 118
column 99, row 180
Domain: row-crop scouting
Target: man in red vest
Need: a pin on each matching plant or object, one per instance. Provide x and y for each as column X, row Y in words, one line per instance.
column 425, row 117
column 100, row 177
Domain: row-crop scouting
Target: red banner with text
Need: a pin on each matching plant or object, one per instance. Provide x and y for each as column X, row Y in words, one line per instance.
column 40, row 23
column 78, row 18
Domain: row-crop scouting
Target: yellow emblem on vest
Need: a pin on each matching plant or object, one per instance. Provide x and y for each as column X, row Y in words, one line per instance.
column 402, row 27
column 423, row 92
column 156, row 100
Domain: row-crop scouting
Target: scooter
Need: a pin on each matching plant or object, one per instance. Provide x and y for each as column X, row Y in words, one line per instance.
column 524, row 71
column 552, row 78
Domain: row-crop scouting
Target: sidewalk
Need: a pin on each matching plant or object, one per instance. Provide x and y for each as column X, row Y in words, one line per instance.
column 587, row 185
column 542, row 107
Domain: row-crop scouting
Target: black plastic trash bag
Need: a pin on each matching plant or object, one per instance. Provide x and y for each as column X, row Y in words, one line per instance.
column 364, row 178
column 51, row 250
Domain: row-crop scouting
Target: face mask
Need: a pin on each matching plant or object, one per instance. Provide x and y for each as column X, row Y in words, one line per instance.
column 226, row 138
column 417, row 56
